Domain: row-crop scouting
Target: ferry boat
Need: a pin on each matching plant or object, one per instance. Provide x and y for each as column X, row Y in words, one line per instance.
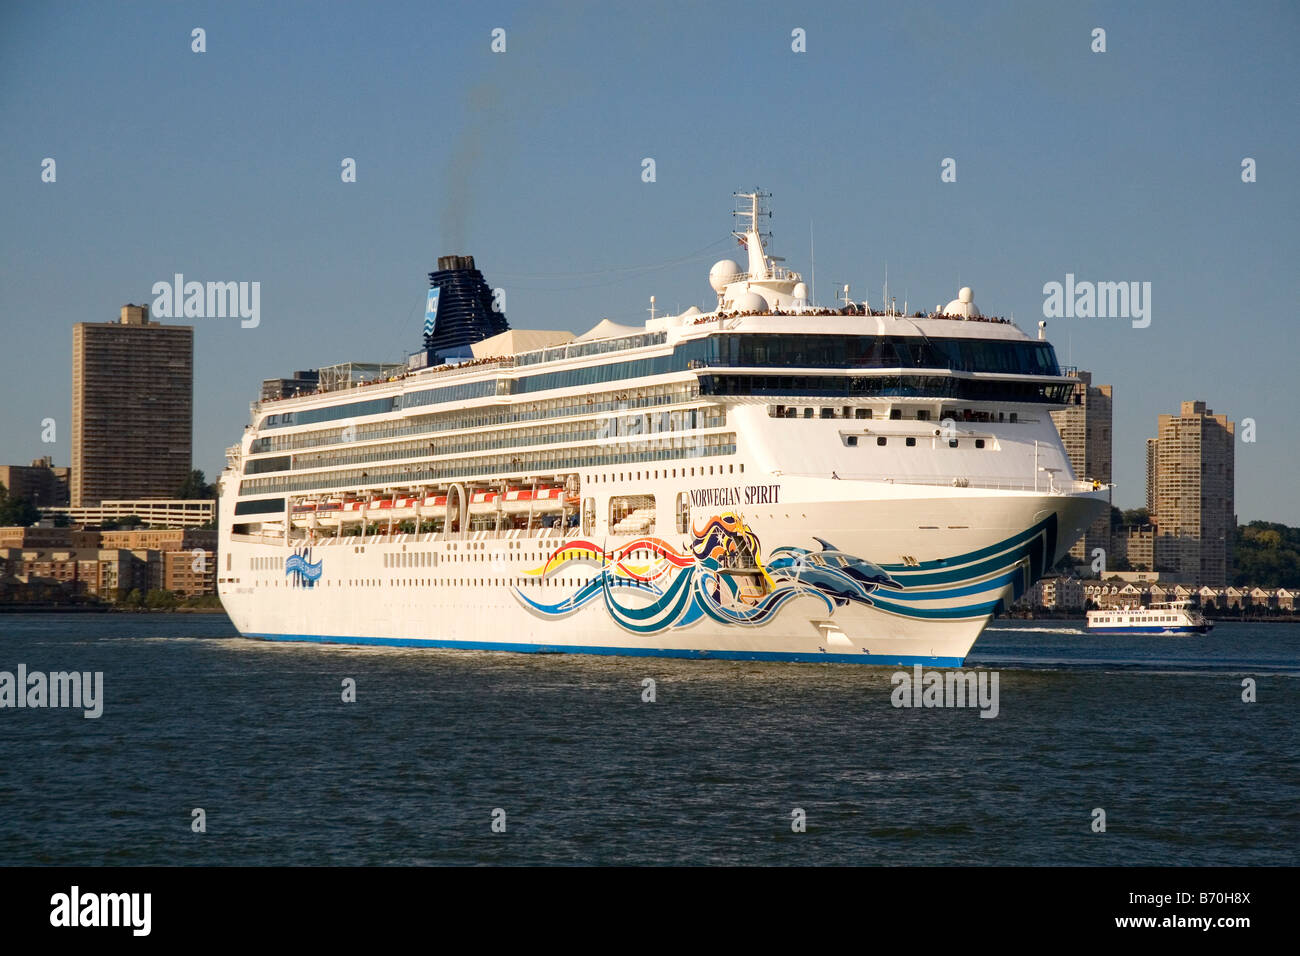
column 759, row 479
column 1173, row 617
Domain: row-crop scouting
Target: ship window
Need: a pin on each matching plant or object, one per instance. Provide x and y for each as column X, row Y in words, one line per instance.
column 881, row 441
column 895, row 414
column 922, row 415
column 979, row 443
column 828, row 413
column 807, row 413
column 911, row 442
column 862, row 413
column 952, row 443
column 632, row 514
column 851, row 441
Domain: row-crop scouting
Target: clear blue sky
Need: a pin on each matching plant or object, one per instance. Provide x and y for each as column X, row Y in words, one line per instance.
column 225, row 166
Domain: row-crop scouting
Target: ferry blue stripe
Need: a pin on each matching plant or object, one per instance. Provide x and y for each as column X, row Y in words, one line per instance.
column 1178, row 629
column 873, row 660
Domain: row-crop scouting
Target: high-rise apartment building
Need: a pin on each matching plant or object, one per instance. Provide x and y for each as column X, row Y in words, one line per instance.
column 1190, row 485
column 1085, row 428
column 132, row 408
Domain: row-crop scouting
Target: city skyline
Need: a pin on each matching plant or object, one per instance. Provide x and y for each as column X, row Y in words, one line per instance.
column 535, row 168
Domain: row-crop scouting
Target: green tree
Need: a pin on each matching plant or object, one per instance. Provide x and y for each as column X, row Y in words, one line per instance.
column 196, row 486
column 158, row 599
column 1136, row 517
column 133, row 598
column 1267, row 554
column 15, row 511
column 126, row 521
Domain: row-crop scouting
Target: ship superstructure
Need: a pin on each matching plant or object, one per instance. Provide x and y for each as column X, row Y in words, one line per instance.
column 764, row 480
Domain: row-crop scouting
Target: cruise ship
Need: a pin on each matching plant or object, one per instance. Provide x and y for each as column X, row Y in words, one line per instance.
column 760, row 479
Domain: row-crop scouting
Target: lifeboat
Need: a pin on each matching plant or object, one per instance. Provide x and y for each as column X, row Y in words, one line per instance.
column 513, row 501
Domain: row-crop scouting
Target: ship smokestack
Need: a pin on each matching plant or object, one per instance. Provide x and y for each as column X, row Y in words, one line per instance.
column 464, row 311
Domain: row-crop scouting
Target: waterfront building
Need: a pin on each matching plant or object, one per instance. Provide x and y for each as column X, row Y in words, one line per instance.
column 171, row 512
column 132, row 408
column 1085, row 428
column 1190, row 490
column 40, row 482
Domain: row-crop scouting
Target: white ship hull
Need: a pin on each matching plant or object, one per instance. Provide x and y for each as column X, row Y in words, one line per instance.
column 484, row 593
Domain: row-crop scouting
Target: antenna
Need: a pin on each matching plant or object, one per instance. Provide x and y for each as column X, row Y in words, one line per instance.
column 757, row 210
column 753, row 239
column 651, row 310
column 812, row 261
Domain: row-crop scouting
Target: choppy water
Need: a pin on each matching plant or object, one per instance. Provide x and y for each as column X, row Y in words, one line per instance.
column 1152, row 730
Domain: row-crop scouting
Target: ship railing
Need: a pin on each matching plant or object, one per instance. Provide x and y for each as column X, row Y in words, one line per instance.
column 300, row 536
column 477, row 365
column 996, row 484
column 424, row 375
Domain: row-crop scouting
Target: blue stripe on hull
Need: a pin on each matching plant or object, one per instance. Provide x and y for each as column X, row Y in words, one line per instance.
column 874, row 660
column 1146, row 630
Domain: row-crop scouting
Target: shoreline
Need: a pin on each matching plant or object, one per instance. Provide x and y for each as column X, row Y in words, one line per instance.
column 1224, row 619
column 102, row 609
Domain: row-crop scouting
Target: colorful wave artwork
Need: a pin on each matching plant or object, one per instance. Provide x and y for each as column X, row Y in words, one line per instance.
column 720, row 575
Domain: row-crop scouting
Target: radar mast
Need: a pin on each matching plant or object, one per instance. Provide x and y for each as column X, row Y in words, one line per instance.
column 752, row 238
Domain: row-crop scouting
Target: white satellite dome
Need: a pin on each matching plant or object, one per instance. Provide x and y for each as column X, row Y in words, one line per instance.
column 723, row 272
column 964, row 304
column 693, row 310
column 749, row 302
column 800, row 291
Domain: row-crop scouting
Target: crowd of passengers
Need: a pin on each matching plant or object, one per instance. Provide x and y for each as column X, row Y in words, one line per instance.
column 851, row 309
